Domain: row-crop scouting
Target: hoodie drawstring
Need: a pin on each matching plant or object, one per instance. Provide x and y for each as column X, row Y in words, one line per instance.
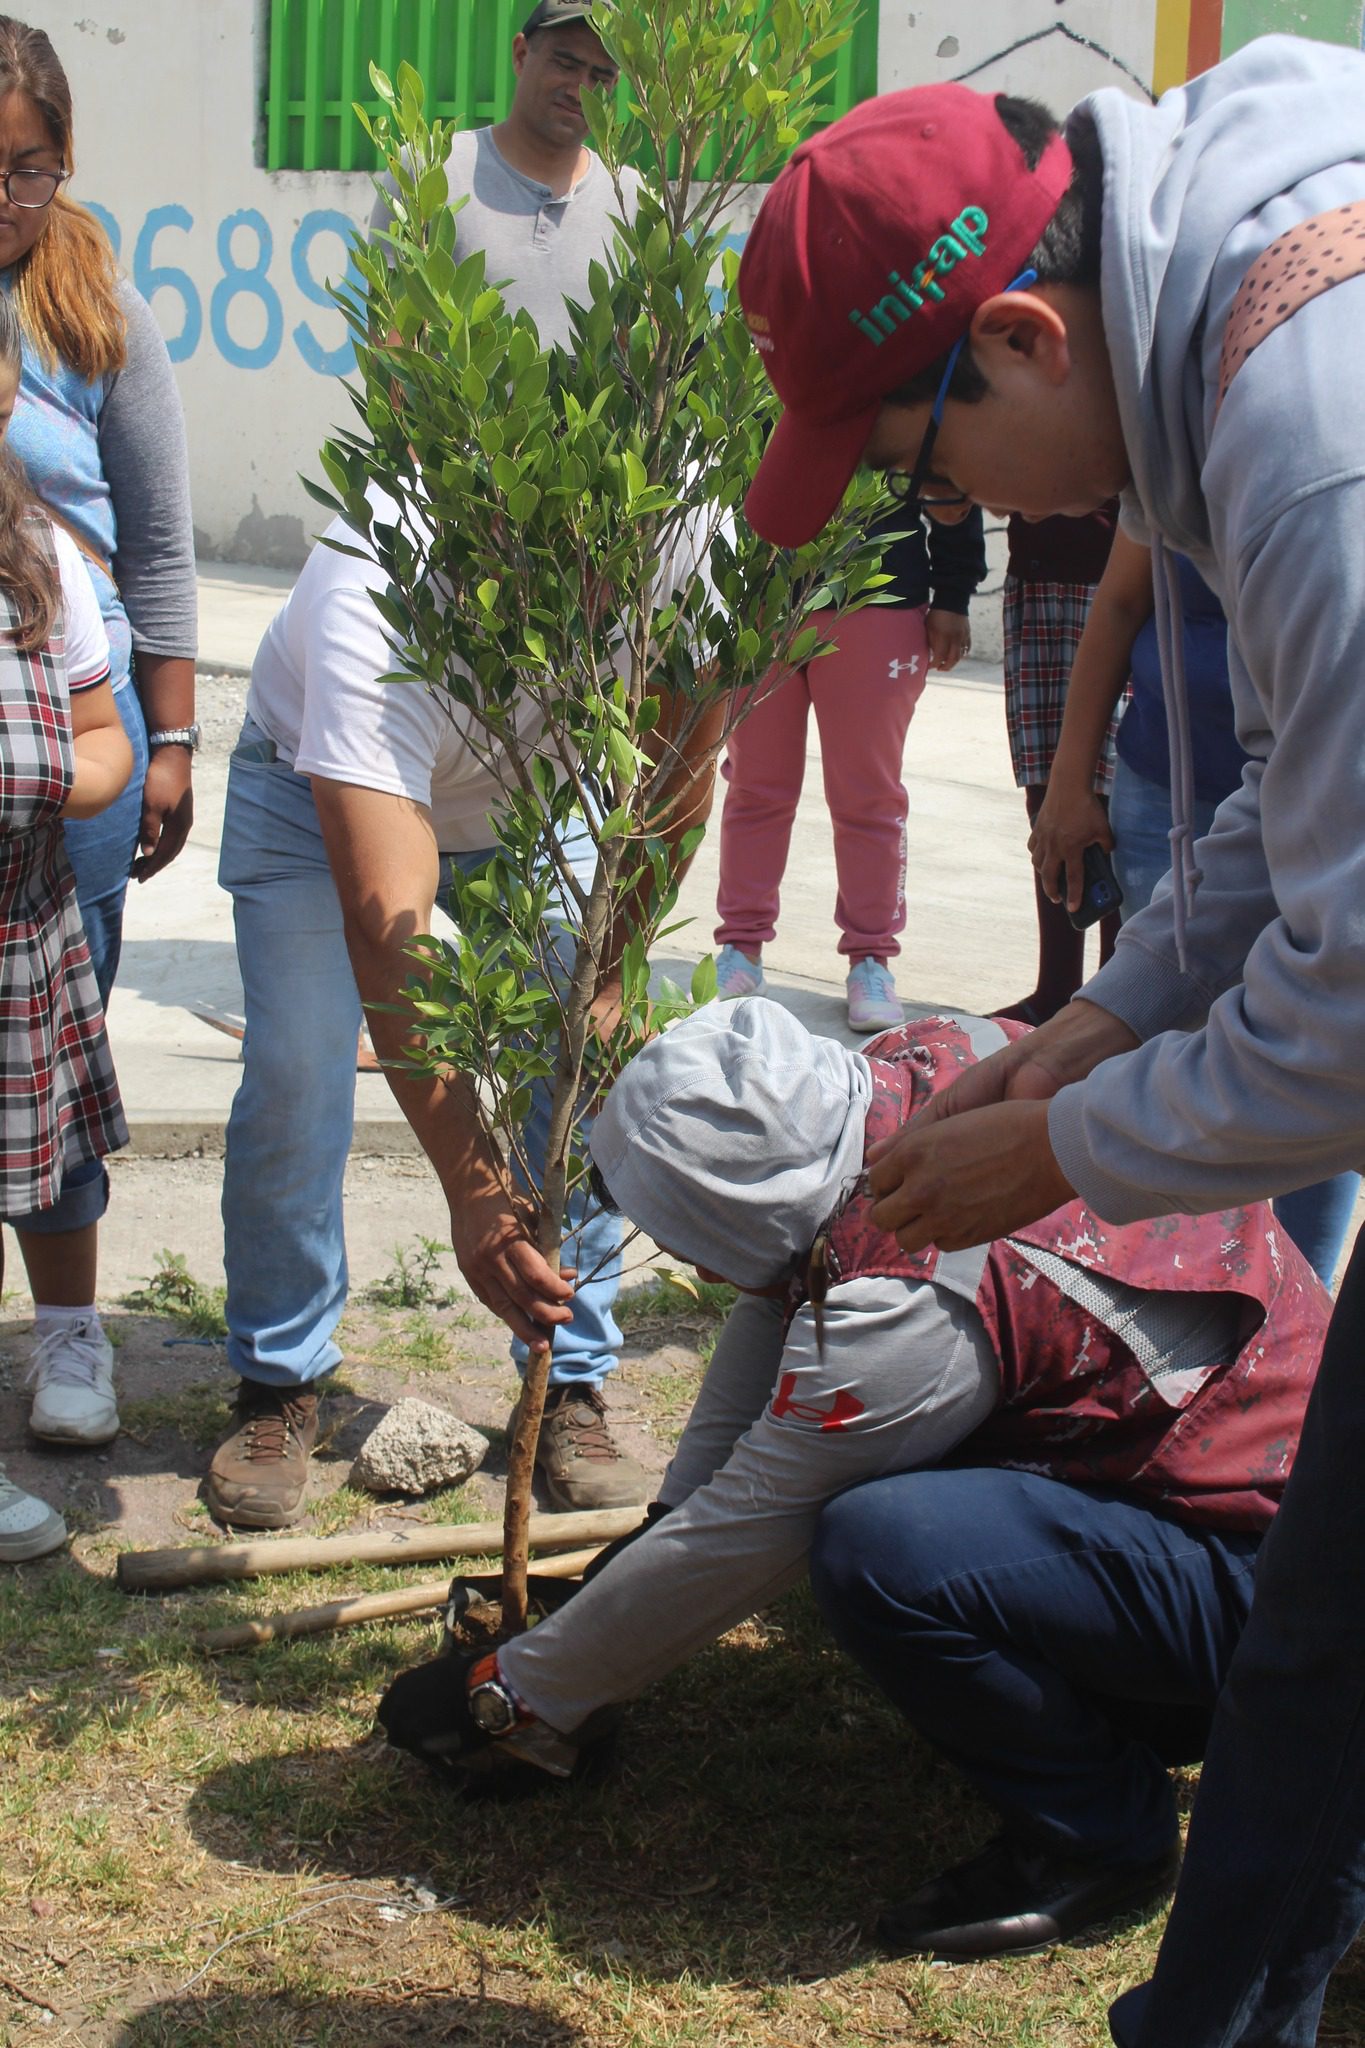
column 1170, row 635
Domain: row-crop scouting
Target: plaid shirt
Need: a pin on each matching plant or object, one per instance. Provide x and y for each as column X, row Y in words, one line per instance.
column 59, row 1100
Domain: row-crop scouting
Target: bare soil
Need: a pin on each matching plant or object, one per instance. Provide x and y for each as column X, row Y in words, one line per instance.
column 174, row 1390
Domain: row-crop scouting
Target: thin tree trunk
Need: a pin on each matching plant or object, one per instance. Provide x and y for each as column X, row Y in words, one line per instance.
column 573, row 1031
column 521, row 1470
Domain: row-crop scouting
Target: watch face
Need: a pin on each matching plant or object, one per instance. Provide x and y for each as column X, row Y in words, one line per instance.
column 491, row 1708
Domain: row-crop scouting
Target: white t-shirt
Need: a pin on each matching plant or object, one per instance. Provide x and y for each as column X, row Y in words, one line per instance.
column 316, row 691
column 87, row 643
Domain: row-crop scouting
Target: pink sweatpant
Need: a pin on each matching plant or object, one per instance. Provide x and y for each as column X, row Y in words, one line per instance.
column 863, row 695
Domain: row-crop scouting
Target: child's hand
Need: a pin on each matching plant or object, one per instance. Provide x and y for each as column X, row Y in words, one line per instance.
column 1069, row 821
column 949, row 636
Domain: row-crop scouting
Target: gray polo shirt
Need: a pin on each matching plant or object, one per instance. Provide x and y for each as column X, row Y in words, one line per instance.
column 537, row 247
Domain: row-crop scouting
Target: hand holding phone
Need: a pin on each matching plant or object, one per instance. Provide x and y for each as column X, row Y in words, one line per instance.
column 1100, row 891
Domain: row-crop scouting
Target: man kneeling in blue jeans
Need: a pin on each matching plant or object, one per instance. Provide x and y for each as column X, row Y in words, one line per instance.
column 1030, row 1479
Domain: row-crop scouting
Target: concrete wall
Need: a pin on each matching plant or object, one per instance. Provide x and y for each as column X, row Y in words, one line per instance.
column 235, row 259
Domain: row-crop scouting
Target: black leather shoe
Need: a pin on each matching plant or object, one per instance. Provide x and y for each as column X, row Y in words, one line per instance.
column 1012, row 1899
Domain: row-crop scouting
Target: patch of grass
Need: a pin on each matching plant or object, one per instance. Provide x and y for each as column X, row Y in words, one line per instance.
column 410, row 1281
column 172, row 1290
column 455, row 1504
column 680, row 1303
column 174, row 1815
column 673, row 1393
column 198, row 1413
column 165, row 1813
column 340, row 1509
column 422, row 1345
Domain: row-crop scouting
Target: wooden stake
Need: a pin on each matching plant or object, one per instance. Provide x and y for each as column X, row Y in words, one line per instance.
column 164, row 1571
column 361, row 1607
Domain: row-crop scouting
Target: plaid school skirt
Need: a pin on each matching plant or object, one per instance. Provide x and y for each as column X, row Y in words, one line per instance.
column 59, row 1099
column 1043, row 626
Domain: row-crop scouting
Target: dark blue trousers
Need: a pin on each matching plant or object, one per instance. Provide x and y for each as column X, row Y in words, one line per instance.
column 1273, row 1888
column 1058, row 1645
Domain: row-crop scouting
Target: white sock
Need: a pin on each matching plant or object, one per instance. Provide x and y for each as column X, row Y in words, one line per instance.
column 46, row 1319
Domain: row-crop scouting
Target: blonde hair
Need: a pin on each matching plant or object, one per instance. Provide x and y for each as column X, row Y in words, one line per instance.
column 66, row 284
column 28, row 566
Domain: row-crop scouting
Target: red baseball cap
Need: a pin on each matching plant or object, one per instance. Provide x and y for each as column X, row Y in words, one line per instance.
column 867, row 260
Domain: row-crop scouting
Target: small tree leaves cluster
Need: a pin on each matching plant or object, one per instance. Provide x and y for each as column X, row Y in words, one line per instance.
column 565, row 559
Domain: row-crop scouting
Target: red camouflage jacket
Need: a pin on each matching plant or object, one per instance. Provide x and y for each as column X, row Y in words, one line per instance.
column 1214, row 1446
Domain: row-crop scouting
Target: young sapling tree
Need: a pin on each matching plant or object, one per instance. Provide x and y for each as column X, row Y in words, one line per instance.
column 567, row 566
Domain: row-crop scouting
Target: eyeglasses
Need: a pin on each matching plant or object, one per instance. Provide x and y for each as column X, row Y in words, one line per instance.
column 31, row 189
column 907, row 486
column 902, row 485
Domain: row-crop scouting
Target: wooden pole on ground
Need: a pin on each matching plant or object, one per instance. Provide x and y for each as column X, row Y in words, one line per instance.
column 360, row 1607
column 164, row 1571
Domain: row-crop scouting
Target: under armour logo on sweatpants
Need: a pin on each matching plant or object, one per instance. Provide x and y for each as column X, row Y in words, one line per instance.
column 838, row 1416
column 894, row 668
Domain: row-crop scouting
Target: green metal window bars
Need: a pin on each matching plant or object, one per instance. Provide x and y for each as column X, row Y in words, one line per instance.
column 321, row 51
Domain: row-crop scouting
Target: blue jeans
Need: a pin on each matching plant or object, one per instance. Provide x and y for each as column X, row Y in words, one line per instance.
column 101, row 852
column 290, row 1129
column 1317, row 1217
column 1273, row 1889
column 1055, row 1642
column 1140, row 817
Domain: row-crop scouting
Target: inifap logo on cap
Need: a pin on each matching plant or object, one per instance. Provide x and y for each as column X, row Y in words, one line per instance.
column 964, row 239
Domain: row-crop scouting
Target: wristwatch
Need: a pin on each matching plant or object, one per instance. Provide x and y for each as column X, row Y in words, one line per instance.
column 175, row 736
column 514, row 1730
column 493, row 1706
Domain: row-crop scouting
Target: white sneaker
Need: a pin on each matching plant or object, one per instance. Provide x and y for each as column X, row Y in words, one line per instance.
column 28, row 1526
column 738, row 975
column 873, row 1004
column 73, row 1383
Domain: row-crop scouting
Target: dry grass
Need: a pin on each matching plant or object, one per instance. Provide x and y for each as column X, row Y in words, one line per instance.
column 220, row 1853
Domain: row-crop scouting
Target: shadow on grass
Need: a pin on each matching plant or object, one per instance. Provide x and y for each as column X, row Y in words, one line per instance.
column 360, row 2019
column 761, row 1805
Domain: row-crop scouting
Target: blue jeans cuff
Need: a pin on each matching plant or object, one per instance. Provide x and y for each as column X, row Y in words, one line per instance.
column 82, row 1201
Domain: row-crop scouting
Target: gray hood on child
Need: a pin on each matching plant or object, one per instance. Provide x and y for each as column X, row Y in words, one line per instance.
column 731, row 1137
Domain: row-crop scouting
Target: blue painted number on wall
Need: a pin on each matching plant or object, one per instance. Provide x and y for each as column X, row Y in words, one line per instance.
column 150, row 278
column 246, row 316
column 329, row 362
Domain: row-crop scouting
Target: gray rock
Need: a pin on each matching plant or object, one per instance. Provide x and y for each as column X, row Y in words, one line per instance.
column 416, row 1447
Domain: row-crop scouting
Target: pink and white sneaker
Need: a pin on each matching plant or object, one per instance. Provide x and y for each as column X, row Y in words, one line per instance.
column 738, row 975
column 873, row 1004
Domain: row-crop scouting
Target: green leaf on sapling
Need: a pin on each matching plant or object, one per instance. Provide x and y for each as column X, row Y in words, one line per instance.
column 433, row 190
column 623, row 756
column 704, row 983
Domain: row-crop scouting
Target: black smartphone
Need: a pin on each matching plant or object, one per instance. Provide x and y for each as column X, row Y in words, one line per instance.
column 1100, row 891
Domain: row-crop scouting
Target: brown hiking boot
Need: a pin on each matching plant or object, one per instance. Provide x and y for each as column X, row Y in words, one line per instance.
column 258, row 1473
column 578, row 1458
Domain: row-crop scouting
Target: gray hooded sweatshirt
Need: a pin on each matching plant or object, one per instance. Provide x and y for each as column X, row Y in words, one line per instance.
column 1269, row 503
column 731, row 1139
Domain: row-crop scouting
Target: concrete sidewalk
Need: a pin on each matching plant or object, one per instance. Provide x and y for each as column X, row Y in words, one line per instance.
column 969, row 940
